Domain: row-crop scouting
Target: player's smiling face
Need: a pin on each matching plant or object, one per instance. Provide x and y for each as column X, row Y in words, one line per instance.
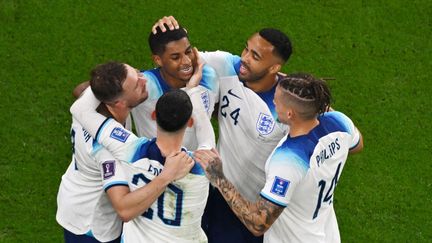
column 256, row 59
column 177, row 61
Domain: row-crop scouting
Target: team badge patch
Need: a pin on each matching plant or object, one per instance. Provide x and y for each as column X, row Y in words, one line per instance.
column 280, row 186
column 108, row 169
column 265, row 124
column 119, row 134
column 205, row 97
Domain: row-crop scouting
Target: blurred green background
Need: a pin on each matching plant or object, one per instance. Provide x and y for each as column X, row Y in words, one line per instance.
column 379, row 53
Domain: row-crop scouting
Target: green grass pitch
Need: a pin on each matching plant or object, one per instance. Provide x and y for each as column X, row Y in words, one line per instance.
column 378, row 51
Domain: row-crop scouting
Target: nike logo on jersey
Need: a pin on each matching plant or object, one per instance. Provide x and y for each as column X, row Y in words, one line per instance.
column 231, row 93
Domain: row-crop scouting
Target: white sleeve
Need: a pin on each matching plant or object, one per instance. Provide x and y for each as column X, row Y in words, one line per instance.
column 84, row 110
column 285, row 171
column 203, row 128
column 111, row 170
column 348, row 124
column 222, row 62
column 123, row 144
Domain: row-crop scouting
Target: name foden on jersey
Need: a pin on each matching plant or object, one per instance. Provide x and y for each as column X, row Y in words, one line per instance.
column 328, row 152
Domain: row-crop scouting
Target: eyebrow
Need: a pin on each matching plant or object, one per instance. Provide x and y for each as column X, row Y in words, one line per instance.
column 178, row 53
column 253, row 51
column 256, row 53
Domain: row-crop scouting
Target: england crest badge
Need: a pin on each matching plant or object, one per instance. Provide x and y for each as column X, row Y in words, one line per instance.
column 265, row 124
column 205, row 97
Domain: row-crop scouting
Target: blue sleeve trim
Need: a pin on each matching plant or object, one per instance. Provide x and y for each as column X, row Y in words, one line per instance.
column 236, row 64
column 208, row 79
column 90, row 233
column 115, row 183
column 276, row 202
column 101, row 127
column 197, row 169
column 353, row 147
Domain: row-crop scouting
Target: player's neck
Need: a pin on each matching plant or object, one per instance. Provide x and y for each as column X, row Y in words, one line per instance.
column 299, row 128
column 119, row 114
column 171, row 81
column 169, row 143
column 264, row 84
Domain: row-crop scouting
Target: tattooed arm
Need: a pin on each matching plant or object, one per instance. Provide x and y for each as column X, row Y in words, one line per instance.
column 258, row 216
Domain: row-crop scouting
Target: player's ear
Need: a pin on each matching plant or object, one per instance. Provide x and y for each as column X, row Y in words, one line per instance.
column 118, row 103
column 153, row 115
column 290, row 113
column 157, row 60
column 275, row 68
column 190, row 122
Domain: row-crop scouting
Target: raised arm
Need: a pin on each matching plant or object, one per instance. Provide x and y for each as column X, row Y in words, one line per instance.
column 170, row 21
column 84, row 110
column 79, row 89
column 258, row 216
column 132, row 204
column 203, row 128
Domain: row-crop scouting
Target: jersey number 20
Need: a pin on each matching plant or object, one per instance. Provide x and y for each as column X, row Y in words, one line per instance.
column 160, row 202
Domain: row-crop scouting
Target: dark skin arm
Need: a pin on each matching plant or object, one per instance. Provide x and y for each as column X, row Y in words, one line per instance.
column 80, row 88
column 258, row 216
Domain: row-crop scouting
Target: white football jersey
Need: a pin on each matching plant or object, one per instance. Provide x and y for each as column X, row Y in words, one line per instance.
column 302, row 174
column 156, row 87
column 82, row 204
column 248, row 126
column 176, row 215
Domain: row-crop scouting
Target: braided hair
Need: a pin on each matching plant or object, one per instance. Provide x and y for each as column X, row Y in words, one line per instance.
column 309, row 96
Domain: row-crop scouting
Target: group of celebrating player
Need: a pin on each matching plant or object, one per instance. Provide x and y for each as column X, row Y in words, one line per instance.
column 272, row 175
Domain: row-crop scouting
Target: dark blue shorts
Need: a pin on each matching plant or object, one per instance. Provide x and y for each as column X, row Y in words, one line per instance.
column 70, row 237
column 222, row 225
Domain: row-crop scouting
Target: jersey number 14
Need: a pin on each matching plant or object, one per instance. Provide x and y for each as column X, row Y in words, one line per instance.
column 330, row 191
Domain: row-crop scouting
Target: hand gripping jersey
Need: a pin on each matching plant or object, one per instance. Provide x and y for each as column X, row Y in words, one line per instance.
column 82, row 205
column 302, row 174
column 157, row 86
column 248, row 127
column 176, row 215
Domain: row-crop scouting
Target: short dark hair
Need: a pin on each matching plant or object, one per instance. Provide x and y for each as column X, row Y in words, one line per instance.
column 311, row 96
column 107, row 79
column 280, row 41
column 173, row 110
column 158, row 41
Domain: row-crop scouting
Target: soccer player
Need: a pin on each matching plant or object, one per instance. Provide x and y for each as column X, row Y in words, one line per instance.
column 175, row 58
column 303, row 170
column 85, row 211
column 248, row 124
column 176, row 215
